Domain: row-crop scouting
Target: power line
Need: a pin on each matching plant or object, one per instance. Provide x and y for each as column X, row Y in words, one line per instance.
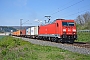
column 64, row 5
column 68, row 6
column 76, row 13
column 58, row 8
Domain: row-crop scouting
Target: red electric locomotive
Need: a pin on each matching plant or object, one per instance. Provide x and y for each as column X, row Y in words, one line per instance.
column 60, row 31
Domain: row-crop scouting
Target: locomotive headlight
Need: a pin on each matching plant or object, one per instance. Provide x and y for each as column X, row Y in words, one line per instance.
column 74, row 30
column 64, row 30
column 74, row 33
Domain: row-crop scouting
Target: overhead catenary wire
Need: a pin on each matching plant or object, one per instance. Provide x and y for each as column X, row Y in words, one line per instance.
column 63, row 5
column 78, row 11
column 58, row 8
column 68, row 6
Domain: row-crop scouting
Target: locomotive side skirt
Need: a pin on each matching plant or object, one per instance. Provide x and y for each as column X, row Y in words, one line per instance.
column 51, row 35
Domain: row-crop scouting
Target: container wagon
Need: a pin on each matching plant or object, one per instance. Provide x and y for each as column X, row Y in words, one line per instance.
column 34, row 32
column 23, row 33
column 28, row 32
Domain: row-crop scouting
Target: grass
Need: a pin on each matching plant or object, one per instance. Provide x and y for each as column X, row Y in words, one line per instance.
column 83, row 37
column 1, row 37
column 17, row 49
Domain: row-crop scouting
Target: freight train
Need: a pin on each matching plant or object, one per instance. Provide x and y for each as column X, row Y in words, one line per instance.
column 58, row 31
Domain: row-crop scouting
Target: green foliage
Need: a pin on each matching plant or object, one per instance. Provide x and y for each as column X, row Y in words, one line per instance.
column 83, row 37
column 83, row 27
column 1, row 37
column 54, row 56
column 26, row 49
column 6, row 29
column 17, row 49
column 5, row 43
column 16, row 41
column 4, row 52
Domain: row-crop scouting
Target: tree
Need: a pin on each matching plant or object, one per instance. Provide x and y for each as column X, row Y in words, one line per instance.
column 79, row 20
column 83, row 19
column 86, row 17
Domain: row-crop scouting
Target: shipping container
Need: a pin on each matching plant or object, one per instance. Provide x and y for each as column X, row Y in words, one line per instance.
column 28, row 30
column 18, row 33
column 34, row 30
column 23, row 32
column 14, row 33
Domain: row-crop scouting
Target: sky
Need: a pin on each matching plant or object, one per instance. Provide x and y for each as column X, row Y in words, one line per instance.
column 33, row 12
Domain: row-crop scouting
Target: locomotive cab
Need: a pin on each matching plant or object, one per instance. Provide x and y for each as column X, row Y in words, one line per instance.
column 69, row 32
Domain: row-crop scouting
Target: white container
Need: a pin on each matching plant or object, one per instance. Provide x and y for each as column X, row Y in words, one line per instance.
column 28, row 30
column 34, row 30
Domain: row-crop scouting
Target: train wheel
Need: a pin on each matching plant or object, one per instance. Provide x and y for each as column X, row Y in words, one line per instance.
column 71, row 41
column 62, row 41
column 58, row 40
column 55, row 39
column 51, row 39
column 47, row 38
column 44, row 38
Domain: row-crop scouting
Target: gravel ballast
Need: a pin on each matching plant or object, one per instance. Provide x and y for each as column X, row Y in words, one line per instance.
column 59, row 45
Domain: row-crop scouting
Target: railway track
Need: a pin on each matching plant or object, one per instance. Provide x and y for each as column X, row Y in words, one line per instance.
column 80, row 44
column 79, row 47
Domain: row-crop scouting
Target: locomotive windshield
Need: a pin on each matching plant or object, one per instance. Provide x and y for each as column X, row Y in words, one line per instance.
column 68, row 23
